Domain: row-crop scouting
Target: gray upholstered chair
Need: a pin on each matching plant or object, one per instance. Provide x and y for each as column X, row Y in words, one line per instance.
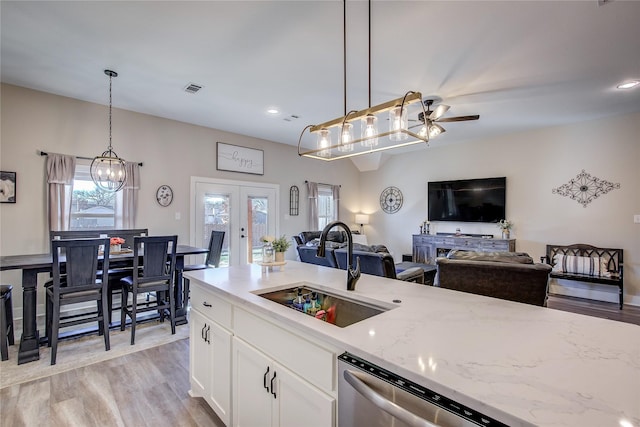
column 506, row 275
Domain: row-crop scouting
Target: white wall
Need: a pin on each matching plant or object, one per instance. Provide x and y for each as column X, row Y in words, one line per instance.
column 534, row 163
column 171, row 151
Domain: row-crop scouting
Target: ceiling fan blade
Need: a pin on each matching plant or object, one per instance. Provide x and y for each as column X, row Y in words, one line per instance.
column 459, row 118
column 439, row 111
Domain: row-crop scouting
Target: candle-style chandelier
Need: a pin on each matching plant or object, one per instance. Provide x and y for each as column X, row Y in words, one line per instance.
column 107, row 170
column 372, row 136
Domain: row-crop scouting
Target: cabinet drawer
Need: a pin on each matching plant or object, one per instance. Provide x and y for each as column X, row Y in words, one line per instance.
column 210, row 305
column 310, row 361
column 498, row 245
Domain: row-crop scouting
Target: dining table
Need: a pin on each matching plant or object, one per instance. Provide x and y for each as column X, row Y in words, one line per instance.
column 33, row 264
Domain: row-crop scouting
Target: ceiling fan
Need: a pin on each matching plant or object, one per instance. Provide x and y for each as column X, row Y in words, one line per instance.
column 433, row 116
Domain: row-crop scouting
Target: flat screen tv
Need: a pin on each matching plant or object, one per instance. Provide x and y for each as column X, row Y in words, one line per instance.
column 468, row 200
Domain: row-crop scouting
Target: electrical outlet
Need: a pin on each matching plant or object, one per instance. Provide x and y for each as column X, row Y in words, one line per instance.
column 178, row 216
column 636, row 219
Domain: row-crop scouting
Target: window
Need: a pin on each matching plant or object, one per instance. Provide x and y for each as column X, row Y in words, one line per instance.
column 90, row 206
column 326, row 206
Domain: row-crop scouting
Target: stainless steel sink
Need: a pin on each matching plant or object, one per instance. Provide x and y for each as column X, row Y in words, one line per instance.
column 330, row 308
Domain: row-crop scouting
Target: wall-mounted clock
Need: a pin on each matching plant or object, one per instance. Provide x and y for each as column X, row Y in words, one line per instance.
column 391, row 200
column 164, row 195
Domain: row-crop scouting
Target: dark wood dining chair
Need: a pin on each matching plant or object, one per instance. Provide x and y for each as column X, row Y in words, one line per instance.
column 213, row 256
column 154, row 263
column 76, row 280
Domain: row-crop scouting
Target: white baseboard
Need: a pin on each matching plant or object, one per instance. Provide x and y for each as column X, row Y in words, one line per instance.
column 586, row 290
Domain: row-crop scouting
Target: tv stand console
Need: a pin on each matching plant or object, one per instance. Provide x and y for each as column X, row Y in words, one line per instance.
column 427, row 247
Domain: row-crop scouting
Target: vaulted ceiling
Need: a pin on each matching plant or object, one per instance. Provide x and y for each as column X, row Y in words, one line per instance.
column 520, row 65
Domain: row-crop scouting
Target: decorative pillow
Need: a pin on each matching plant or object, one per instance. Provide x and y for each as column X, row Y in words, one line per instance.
column 604, row 268
column 590, row 266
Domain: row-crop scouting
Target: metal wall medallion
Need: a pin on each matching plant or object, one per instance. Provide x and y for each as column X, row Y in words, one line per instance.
column 584, row 188
column 391, row 200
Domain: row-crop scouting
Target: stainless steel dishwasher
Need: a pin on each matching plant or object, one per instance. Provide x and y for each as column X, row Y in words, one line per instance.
column 370, row 396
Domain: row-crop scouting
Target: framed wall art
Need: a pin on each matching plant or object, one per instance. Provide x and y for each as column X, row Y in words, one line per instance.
column 234, row 158
column 7, row 187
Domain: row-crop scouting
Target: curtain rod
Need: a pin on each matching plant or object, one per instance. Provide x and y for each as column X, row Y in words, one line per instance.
column 322, row 183
column 44, row 153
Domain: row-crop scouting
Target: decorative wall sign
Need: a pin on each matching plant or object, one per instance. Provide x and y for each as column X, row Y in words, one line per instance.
column 7, row 187
column 239, row 159
column 391, row 200
column 584, row 188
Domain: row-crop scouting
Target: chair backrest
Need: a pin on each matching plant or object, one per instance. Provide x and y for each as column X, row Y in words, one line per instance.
column 215, row 248
column 308, row 254
column 76, row 261
column 375, row 263
column 126, row 234
column 154, row 258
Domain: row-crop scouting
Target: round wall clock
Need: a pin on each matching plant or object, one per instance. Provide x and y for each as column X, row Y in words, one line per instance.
column 391, row 200
column 164, row 195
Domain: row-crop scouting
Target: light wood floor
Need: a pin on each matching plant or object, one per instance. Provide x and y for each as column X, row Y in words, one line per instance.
column 605, row 310
column 147, row 388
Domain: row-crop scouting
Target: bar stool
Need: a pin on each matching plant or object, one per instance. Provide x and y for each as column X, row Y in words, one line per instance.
column 6, row 320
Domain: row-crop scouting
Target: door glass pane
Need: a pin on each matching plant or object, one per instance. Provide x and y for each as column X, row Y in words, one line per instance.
column 216, row 218
column 257, row 214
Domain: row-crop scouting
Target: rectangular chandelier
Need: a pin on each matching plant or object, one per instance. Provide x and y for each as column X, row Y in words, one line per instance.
column 382, row 127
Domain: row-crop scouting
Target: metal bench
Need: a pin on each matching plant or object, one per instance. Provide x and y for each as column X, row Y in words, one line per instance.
column 609, row 271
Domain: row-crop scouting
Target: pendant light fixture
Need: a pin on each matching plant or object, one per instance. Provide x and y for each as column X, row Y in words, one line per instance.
column 371, row 138
column 107, row 170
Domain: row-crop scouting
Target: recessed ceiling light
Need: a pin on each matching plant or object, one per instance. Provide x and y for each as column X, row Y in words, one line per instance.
column 273, row 111
column 629, row 84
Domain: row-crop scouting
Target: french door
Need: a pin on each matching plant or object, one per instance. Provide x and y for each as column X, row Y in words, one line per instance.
column 245, row 211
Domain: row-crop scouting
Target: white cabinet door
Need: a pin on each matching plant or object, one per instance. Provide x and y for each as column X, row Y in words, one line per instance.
column 252, row 374
column 200, row 366
column 267, row 394
column 301, row 404
column 220, row 385
column 211, row 364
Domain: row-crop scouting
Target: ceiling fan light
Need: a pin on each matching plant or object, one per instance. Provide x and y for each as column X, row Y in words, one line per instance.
column 435, row 130
column 346, row 138
column 324, row 142
column 369, row 131
column 629, row 84
column 398, row 122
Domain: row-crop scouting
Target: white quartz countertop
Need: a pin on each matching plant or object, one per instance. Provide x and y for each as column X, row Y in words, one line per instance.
column 521, row 364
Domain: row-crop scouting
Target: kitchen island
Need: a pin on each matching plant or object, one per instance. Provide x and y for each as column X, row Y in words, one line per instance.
column 520, row 364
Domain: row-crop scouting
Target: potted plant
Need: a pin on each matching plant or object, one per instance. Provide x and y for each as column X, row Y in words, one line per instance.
column 280, row 245
column 505, row 226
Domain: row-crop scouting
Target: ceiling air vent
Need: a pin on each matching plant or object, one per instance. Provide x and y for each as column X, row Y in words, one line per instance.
column 192, row 88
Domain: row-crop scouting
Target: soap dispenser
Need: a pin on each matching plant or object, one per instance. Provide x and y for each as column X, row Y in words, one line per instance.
column 298, row 302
